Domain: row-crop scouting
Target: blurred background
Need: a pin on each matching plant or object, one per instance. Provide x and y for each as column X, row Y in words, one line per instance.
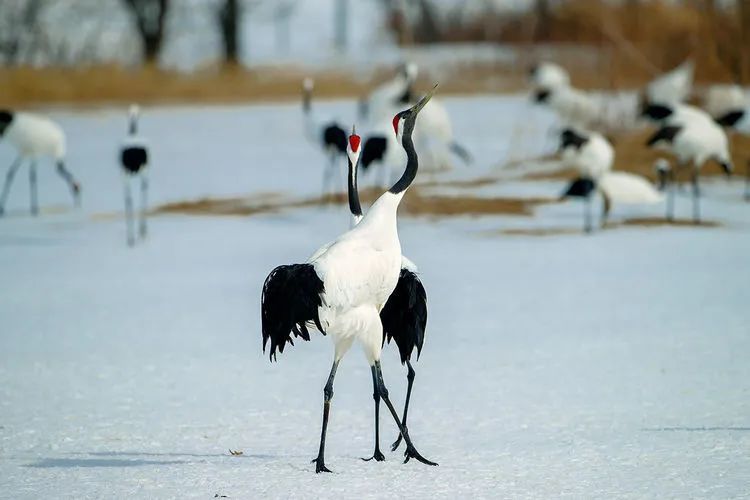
column 228, row 50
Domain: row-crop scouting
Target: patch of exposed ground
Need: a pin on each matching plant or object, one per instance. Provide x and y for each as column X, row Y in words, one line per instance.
column 660, row 222
column 417, row 203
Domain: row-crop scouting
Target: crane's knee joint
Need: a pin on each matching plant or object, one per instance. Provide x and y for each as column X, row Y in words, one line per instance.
column 410, row 374
column 328, row 393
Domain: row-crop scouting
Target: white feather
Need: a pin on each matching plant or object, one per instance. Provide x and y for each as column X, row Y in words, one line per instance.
column 672, row 87
column 36, row 136
column 624, row 187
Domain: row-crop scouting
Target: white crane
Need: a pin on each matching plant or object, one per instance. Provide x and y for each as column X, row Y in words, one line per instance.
column 574, row 108
column 433, row 136
column 672, row 87
column 344, row 286
column 34, row 137
column 736, row 116
column 327, row 135
column 404, row 316
column 134, row 163
column 547, row 75
column 693, row 143
column 593, row 156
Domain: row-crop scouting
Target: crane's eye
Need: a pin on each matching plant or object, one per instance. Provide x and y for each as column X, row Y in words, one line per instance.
column 395, row 124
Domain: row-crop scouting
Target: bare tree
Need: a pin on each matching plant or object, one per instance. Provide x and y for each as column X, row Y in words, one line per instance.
column 149, row 16
column 543, row 21
column 229, row 17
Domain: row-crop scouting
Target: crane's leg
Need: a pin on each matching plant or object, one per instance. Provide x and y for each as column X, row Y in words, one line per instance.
column 144, row 207
column 319, row 461
column 328, row 177
column 587, row 214
column 670, row 195
column 411, row 451
column 75, row 187
column 377, row 455
column 606, row 207
column 696, row 198
column 8, row 181
column 33, row 190
column 129, row 214
column 410, row 380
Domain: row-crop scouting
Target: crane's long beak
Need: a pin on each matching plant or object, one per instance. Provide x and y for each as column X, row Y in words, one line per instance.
column 418, row 106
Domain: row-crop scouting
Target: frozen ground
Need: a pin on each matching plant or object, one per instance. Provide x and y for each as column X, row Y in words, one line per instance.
column 614, row 365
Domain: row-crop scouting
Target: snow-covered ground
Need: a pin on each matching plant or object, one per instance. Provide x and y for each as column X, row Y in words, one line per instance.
column 614, row 365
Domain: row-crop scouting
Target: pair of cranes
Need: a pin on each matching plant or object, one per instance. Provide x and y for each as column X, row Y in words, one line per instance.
column 35, row 137
column 357, row 287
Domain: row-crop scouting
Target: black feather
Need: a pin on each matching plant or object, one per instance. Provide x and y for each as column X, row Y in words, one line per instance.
column 404, row 316
column 656, row 112
column 134, row 158
column 373, row 150
column 666, row 134
column 6, row 117
column 542, row 95
column 580, row 188
column 335, row 137
column 291, row 297
column 731, row 118
column 570, row 137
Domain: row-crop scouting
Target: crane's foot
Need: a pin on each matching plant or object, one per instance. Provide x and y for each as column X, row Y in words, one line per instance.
column 320, row 465
column 396, row 443
column 411, row 452
column 377, row 456
column 76, row 189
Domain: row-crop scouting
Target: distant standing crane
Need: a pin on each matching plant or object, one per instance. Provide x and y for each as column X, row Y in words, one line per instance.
column 134, row 162
column 34, row 137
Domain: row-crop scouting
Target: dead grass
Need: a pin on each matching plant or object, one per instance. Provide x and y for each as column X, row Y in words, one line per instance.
column 661, row 222
column 416, row 204
column 96, row 85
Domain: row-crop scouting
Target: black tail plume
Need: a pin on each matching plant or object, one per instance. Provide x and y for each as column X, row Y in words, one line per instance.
column 291, row 297
column 404, row 315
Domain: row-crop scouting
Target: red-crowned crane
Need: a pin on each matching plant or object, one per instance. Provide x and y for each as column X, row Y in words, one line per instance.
column 735, row 115
column 34, row 137
column 433, row 136
column 327, row 135
column 694, row 141
column 404, row 315
column 344, row 286
column 593, row 156
column 134, row 163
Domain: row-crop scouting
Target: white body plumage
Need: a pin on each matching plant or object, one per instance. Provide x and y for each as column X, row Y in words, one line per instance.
column 36, row 136
column 548, row 75
column 672, row 87
column 359, row 271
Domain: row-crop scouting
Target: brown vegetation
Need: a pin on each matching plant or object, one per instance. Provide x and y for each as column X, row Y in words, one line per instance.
column 416, row 204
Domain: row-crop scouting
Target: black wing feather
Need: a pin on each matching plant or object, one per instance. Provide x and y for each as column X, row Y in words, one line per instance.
column 133, row 158
column 373, row 150
column 404, row 316
column 335, row 137
column 580, row 188
column 731, row 118
column 666, row 134
column 291, row 297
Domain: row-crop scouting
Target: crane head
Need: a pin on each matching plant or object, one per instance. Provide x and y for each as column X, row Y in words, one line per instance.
column 403, row 122
column 352, row 147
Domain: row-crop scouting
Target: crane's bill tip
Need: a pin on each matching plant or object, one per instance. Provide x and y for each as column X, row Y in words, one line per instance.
column 354, row 129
